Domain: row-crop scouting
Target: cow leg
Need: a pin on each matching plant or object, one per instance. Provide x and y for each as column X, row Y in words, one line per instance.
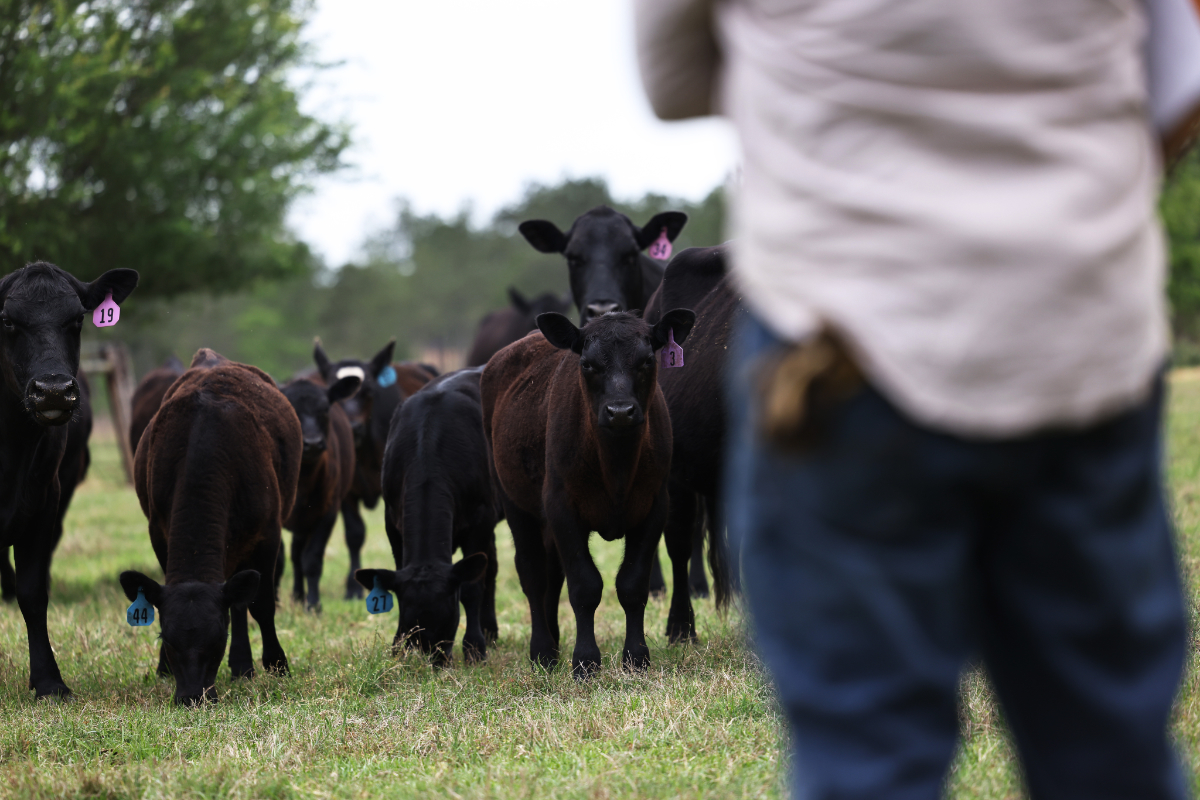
column 164, row 666
column 697, row 580
column 531, row 561
column 280, row 560
column 241, row 660
column 356, row 534
column 658, row 586
column 584, row 586
column 485, row 539
column 314, row 558
column 33, row 596
column 8, row 579
column 681, row 620
column 298, row 541
column 633, row 584
column 263, row 611
column 474, row 642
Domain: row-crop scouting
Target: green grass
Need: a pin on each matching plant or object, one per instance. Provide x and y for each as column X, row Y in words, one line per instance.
column 354, row 721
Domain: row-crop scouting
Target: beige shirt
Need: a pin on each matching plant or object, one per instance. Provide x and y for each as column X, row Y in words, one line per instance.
column 964, row 189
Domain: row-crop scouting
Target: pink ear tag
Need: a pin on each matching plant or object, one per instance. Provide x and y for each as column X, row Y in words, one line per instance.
column 672, row 354
column 660, row 248
column 107, row 313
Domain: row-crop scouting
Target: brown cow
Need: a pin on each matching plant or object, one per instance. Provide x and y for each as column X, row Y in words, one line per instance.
column 148, row 396
column 216, row 479
column 581, row 442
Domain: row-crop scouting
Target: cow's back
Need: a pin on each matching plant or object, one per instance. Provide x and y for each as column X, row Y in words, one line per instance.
column 148, row 396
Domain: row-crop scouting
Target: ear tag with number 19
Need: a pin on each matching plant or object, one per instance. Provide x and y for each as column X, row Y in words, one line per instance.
column 671, row 354
column 386, row 376
column 140, row 611
column 107, row 313
column 660, row 248
column 379, row 601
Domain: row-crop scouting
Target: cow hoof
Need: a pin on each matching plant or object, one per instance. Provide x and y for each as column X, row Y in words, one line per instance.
column 242, row 671
column 474, row 652
column 313, row 608
column 279, row 668
column 353, row 590
column 53, row 691
column 8, row 598
column 636, row 659
column 584, row 668
column 681, row 634
column 700, row 591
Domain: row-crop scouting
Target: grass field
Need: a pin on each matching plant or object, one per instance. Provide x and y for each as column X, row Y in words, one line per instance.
column 353, row 721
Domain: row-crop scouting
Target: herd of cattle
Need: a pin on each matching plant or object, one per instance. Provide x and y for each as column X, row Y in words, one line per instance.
column 560, row 430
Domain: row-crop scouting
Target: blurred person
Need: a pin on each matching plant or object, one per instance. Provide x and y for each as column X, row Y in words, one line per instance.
column 946, row 398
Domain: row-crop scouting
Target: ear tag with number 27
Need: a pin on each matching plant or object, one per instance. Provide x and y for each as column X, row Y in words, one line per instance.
column 671, row 354
column 660, row 248
column 140, row 611
column 386, row 376
column 379, row 601
column 107, row 313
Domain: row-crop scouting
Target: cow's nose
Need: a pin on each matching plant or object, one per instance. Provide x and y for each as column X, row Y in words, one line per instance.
column 620, row 415
column 193, row 699
column 52, row 398
column 602, row 307
column 314, row 447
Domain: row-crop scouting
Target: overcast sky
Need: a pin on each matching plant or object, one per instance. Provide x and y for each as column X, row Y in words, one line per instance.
column 461, row 102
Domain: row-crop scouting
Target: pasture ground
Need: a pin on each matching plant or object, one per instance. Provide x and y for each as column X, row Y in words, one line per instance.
column 354, row 721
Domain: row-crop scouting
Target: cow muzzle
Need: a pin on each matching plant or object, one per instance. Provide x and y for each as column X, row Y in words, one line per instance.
column 620, row 415
column 599, row 309
column 313, row 449
column 52, row 399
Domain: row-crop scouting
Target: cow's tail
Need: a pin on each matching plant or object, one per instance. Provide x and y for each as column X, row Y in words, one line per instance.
column 720, row 563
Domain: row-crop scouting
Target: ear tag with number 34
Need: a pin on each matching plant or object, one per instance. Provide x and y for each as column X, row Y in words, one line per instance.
column 660, row 248
column 107, row 313
column 386, row 376
column 671, row 353
column 379, row 601
column 140, row 611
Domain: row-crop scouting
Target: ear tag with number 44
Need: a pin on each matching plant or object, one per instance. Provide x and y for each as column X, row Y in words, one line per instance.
column 386, row 376
column 660, row 248
column 140, row 611
column 107, row 313
column 379, row 601
column 671, row 353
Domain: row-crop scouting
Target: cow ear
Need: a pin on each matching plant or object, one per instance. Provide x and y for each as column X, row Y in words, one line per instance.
column 320, row 359
column 383, row 359
column 672, row 221
column 469, row 569
column 121, row 282
column 543, row 235
column 343, row 388
column 560, row 331
column 131, row 581
column 679, row 321
column 239, row 591
column 366, row 578
column 518, row 300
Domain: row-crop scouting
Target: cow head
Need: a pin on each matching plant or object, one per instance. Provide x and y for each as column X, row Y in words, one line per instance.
column 428, row 600
column 42, row 309
column 195, row 626
column 360, row 408
column 616, row 360
column 603, row 249
column 311, row 403
column 545, row 302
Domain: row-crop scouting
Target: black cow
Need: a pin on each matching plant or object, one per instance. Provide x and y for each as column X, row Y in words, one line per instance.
column 501, row 328
column 697, row 279
column 437, row 489
column 42, row 310
column 370, row 412
column 216, row 474
column 581, row 442
column 326, row 475
column 603, row 248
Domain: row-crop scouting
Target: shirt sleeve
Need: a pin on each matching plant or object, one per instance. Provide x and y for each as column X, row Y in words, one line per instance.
column 678, row 56
column 1173, row 55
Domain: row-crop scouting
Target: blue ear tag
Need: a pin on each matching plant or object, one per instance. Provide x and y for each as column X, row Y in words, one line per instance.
column 379, row 601
column 140, row 611
column 386, row 376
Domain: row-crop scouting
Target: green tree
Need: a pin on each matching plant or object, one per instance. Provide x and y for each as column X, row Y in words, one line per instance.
column 156, row 134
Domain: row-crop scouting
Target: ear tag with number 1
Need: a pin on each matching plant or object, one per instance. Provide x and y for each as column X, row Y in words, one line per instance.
column 140, row 611
column 379, row 601
column 107, row 313
column 671, row 354
column 386, row 376
column 660, row 248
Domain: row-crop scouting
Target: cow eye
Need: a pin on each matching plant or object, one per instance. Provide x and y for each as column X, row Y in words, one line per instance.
column 9, row 325
column 587, row 366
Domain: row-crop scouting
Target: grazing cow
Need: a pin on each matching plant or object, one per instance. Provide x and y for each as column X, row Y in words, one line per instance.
column 581, row 442
column 42, row 309
column 697, row 279
column 216, row 476
column 148, row 395
column 437, row 488
column 603, row 248
column 326, row 474
column 501, row 328
column 370, row 412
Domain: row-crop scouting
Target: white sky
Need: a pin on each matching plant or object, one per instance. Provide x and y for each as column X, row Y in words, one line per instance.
column 457, row 102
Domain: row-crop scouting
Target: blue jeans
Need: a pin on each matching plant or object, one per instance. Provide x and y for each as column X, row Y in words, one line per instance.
column 880, row 561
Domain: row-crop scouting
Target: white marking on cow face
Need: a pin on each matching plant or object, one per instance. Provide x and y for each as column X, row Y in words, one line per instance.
column 356, row 372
